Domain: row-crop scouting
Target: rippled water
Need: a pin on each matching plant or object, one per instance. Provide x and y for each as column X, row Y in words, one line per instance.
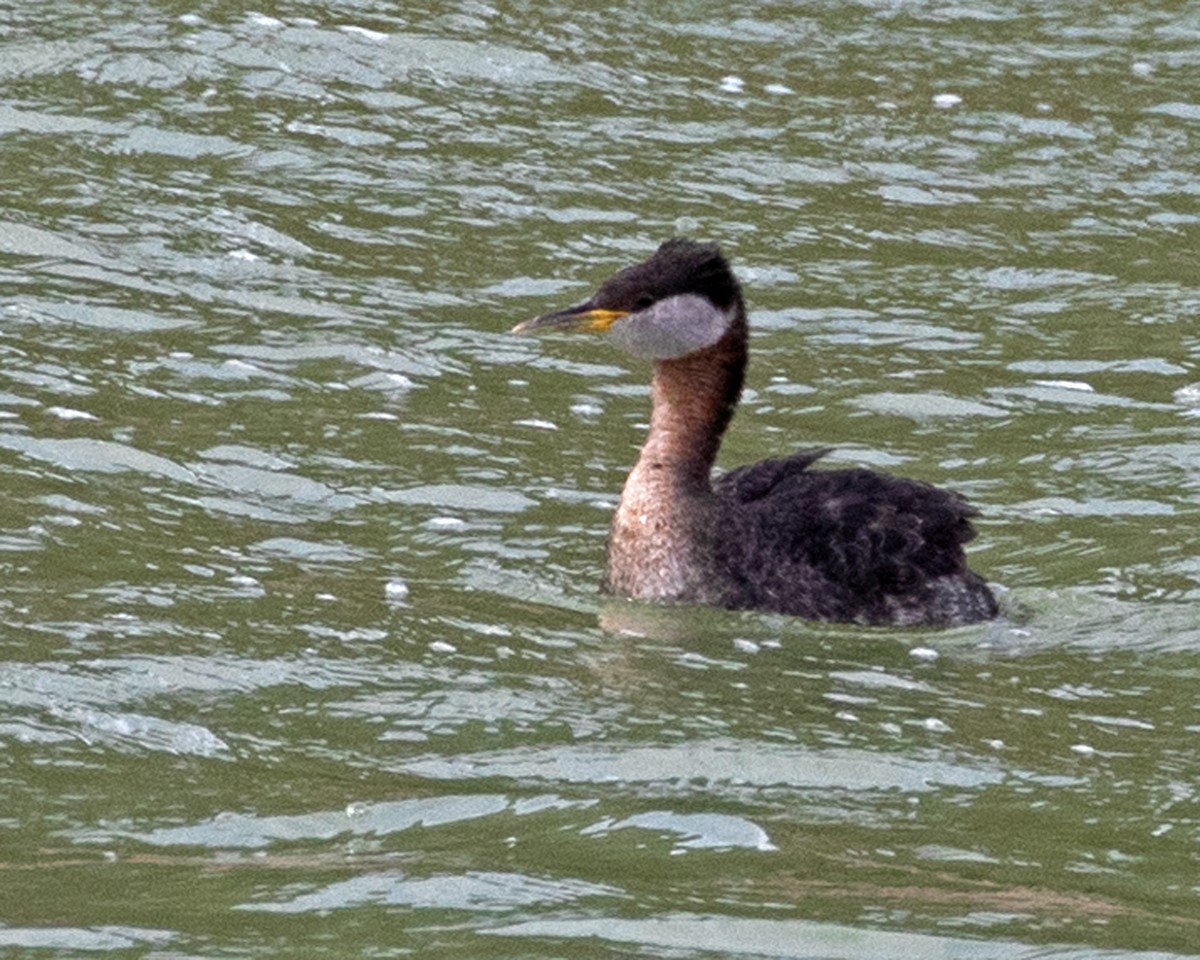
column 301, row 652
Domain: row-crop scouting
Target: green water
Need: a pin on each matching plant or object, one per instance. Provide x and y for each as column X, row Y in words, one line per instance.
column 300, row 648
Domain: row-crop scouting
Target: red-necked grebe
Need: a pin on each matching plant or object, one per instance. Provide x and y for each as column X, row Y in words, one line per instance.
column 839, row 545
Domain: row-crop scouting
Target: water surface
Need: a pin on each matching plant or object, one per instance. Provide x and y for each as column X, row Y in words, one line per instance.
column 300, row 648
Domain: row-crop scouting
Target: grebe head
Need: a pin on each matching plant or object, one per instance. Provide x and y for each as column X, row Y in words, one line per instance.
column 679, row 301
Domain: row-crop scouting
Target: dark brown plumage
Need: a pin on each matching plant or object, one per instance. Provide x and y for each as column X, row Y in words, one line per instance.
column 839, row 545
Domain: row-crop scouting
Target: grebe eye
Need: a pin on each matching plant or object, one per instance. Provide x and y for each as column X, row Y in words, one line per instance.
column 643, row 302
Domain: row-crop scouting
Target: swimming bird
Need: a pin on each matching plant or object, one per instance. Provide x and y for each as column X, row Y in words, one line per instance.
column 850, row 545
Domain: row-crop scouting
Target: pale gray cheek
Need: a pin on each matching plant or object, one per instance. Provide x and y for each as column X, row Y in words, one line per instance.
column 672, row 328
column 642, row 337
column 694, row 320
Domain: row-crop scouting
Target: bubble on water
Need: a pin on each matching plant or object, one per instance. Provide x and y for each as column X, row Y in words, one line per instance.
column 67, row 413
column 373, row 35
column 262, row 20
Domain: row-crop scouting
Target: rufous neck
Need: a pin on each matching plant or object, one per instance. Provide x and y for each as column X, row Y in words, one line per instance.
column 693, row 400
